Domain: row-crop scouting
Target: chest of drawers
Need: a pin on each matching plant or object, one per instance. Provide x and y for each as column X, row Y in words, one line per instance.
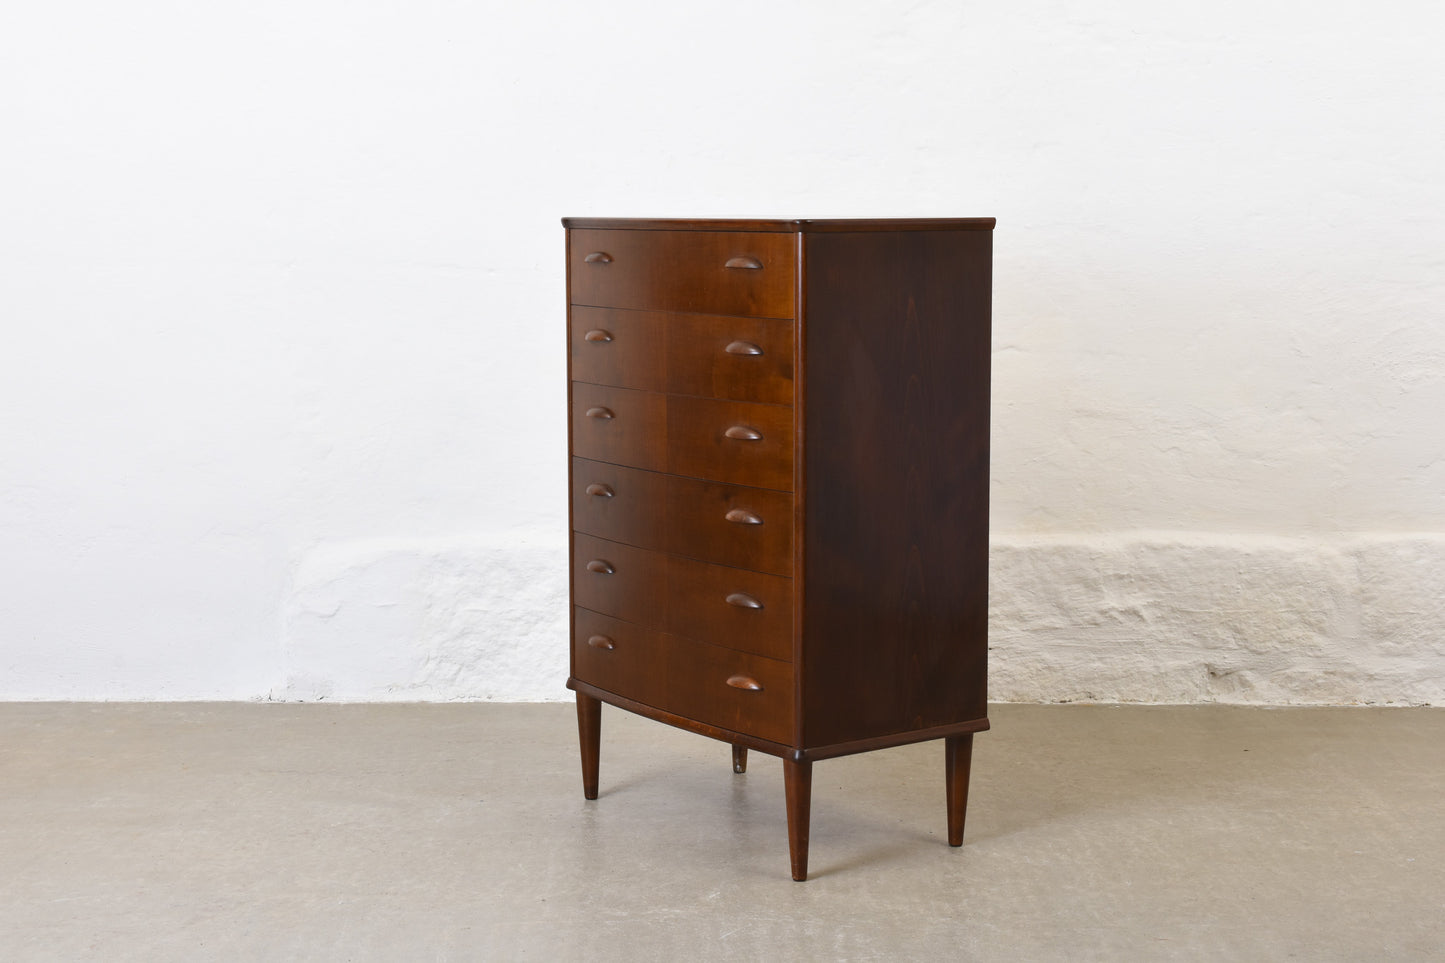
column 779, row 487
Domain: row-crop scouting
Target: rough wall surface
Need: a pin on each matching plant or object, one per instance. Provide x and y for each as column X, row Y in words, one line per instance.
column 1172, row 617
column 1160, row 617
column 281, row 284
column 402, row 621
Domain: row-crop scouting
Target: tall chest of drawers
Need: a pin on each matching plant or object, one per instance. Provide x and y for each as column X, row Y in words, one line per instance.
column 779, row 487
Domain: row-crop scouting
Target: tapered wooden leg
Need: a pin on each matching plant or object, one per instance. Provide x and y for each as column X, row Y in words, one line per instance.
column 798, row 787
column 958, row 753
column 589, row 733
column 740, row 758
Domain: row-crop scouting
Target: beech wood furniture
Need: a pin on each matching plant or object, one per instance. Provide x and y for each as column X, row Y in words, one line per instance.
column 779, row 486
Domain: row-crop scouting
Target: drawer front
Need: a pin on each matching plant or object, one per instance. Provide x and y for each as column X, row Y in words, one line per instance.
column 729, row 607
column 733, row 690
column 745, row 359
column 728, row 441
column 713, row 272
column 627, row 582
column 729, row 524
column 620, row 425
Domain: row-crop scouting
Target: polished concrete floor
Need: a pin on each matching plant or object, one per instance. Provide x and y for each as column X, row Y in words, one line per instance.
column 459, row 832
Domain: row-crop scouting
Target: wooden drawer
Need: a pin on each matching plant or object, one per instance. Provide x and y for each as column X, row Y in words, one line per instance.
column 702, row 682
column 729, row 441
column 745, row 359
column 728, row 524
column 627, row 582
column 684, row 271
column 729, row 607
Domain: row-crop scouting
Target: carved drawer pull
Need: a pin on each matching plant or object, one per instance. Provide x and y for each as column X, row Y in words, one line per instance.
column 745, row 682
column 600, row 567
column 601, row 642
column 599, row 412
column 737, row 347
column 741, row 516
column 597, row 334
column 600, row 490
column 743, row 601
column 745, row 263
column 598, row 257
column 739, row 432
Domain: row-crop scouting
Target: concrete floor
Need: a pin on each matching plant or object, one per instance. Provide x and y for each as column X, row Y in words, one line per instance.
column 459, row 832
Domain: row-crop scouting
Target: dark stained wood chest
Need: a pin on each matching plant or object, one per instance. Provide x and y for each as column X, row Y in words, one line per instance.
column 779, row 443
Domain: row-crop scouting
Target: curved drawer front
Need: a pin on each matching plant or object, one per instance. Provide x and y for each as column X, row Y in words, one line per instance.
column 746, row 359
column 619, row 425
column 618, row 579
column 729, row 441
column 721, row 687
column 729, row 524
column 713, row 272
column 729, row 607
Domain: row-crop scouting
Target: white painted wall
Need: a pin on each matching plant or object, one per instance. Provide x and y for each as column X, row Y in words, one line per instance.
column 281, row 399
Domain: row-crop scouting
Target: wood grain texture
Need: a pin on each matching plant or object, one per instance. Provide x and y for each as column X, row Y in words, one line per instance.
column 800, row 476
column 896, row 440
column 685, row 677
column 784, row 225
column 684, row 354
column 798, row 793
column 684, row 516
column 681, row 722
column 740, row 758
column 699, row 443
column 589, row 733
column 684, row 271
column 873, row 743
column 701, row 605
column 958, row 757
column 635, row 587
column 636, row 434
column 734, row 447
column 683, row 596
column 683, row 435
column 566, row 255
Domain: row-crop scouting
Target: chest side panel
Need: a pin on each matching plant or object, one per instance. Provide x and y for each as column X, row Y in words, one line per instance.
column 896, row 441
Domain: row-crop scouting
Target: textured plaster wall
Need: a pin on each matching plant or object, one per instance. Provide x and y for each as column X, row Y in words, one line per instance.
column 281, row 401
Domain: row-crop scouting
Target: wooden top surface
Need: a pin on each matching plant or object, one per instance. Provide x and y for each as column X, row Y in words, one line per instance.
column 781, row 226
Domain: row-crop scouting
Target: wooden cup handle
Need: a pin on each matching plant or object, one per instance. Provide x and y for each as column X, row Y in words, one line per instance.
column 742, row 347
column 598, row 257
column 744, row 263
column 599, row 412
column 597, row 334
column 601, row 642
column 743, row 601
column 742, row 433
column 600, row 566
column 600, row 490
column 741, row 516
column 745, row 682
